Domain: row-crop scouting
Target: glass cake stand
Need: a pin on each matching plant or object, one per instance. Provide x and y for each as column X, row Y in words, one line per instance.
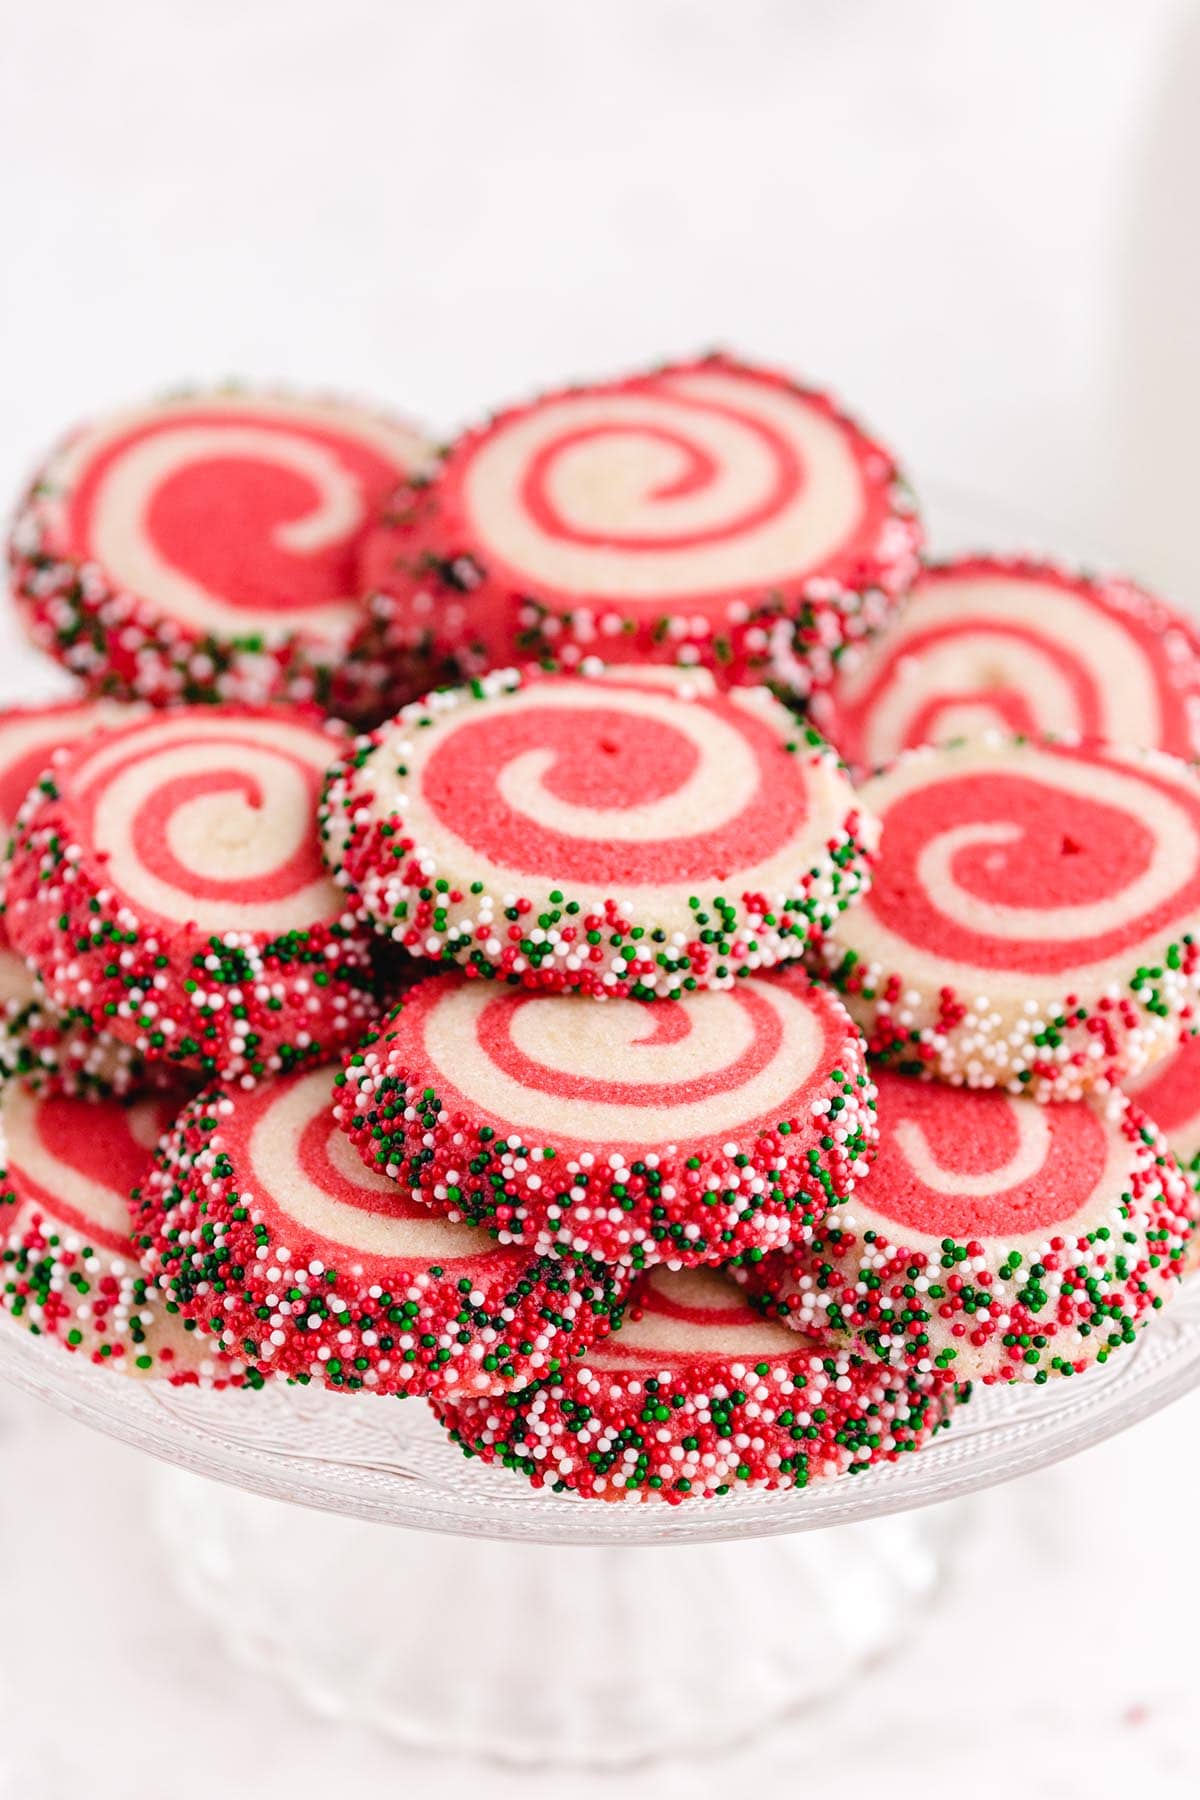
column 543, row 1628
column 570, row 1639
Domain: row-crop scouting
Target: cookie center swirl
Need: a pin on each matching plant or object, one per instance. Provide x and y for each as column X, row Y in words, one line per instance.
column 1041, row 871
column 203, row 823
column 691, row 483
column 633, row 789
column 965, row 1163
column 1024, row 655
column 622, row 1075
column 1017, row 684
column 633, row 483
column 212, row 516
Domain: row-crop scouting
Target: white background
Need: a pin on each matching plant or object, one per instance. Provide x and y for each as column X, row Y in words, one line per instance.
column 977, row 220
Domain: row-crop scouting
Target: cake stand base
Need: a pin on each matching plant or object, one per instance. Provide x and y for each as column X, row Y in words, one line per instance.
column 537, row 1653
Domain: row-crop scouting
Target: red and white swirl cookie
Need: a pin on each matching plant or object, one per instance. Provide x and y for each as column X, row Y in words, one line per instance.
column 698, row 1395
column 687, row 1131
column 629, row 832
column 1034, row 921
column 166, row 882
column 997, row 1238
column 68, row 1268
column 206, row 547
column 1021, row 646
column 39, row 1042
column 707, row 512
column 264, row 1227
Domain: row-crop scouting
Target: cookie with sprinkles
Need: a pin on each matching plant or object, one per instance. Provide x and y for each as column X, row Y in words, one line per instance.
column 264, row 1227
column 166, row 882
column 997, row 1238
column 686, row 1131
column 1169, row 1092
column 1018, row 645
column 54, row 1050
column 1034, row 917
column 698, row 1395
column 38, row 1041
column 68, row 1269
column 205, row 547
column 705, row 512
column 620, row 832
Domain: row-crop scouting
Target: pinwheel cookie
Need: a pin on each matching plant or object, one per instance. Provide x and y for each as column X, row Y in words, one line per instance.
column 68, row 1269
column 996, row 1237
column 263, row 1226
column 629, row 832
column 1034, row 917
column 698, row 1395
column 706, row 512
column 1018, row 645
column 166, row 883
column 206, row 547
column 687, row 1131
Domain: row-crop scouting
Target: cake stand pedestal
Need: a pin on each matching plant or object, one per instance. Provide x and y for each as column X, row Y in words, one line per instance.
column 603, row 1654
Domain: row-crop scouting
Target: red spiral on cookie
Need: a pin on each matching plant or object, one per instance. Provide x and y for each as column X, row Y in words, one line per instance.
column 1018, row 646
column 207, row 547
column 342, row 1276
column 68, row 1268
column 684, row 510
column 166, row 881
column 1058, row 862
column 628, row 832
column 203, row 815
column 1034, row 915
column 698, row 1395
column 597, row 778
column 996, row 1238
column 690, row 1130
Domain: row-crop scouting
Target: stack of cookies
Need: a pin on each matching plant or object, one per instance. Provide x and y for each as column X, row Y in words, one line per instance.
column 726, row 1000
